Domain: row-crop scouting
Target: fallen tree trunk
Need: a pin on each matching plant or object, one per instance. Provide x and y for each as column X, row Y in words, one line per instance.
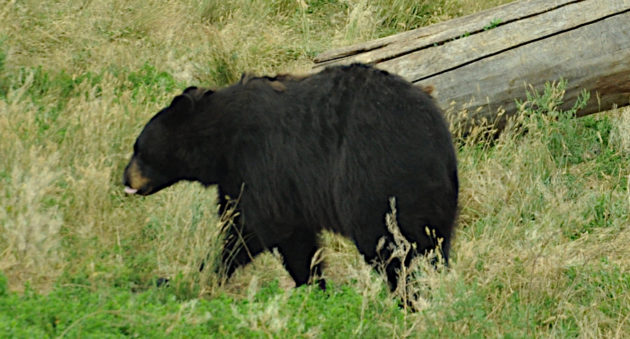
column 479, row 64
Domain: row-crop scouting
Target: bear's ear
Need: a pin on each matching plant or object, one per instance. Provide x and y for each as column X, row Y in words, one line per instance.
column 189, row 89
column 196, row 92
column 182, row 104
column 185, row 103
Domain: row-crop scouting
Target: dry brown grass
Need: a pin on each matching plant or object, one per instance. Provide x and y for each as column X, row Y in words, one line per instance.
column 541, row 246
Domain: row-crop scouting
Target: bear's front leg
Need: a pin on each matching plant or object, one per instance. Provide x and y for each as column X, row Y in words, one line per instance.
column 298, row 251
column 241, row 247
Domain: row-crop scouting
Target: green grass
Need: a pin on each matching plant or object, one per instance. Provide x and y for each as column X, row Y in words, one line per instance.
column 75, row 310
column 541, row 247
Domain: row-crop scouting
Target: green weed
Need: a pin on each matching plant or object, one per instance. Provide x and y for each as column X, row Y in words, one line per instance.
column 494, row 23
column 541, row 247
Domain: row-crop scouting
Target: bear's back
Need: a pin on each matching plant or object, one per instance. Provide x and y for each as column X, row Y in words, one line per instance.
column 307, row 143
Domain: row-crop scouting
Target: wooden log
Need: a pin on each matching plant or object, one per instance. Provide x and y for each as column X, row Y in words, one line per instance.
column 479, row 64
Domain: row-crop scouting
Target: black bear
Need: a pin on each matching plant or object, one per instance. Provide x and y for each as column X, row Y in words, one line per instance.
column 303, row 154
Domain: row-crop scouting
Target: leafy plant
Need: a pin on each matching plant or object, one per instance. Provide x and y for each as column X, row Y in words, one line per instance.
column 494, row 23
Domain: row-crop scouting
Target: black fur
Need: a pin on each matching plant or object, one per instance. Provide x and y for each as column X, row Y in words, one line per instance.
column 305, row 154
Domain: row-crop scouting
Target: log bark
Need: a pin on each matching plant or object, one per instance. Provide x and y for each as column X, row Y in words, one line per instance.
column 479, row 64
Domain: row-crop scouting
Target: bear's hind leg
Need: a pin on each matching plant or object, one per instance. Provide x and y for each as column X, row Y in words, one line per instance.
column 381, row 257
column 298, row 251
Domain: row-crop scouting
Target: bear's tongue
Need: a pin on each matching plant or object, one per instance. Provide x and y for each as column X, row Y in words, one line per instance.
column 130, row 190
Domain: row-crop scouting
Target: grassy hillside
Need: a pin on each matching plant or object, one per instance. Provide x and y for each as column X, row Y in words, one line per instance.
column 542, row 243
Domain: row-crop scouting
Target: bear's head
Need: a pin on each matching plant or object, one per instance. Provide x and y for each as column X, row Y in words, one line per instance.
column 161, row 154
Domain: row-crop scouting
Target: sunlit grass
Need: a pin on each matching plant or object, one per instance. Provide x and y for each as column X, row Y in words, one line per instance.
column 540, row 250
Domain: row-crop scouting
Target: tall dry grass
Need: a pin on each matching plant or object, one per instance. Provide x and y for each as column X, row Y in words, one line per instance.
column 79, row 78
column 541, row 246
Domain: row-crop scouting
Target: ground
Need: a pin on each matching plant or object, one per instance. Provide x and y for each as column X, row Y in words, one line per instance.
column 540, row 250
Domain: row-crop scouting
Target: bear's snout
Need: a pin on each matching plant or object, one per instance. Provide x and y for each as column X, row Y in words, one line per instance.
column 133, row 180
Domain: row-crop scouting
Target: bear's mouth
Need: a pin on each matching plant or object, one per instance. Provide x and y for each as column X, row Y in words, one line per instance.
column 146, row 190
column 135, row 181
column 138, row 183
column 130, row 190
